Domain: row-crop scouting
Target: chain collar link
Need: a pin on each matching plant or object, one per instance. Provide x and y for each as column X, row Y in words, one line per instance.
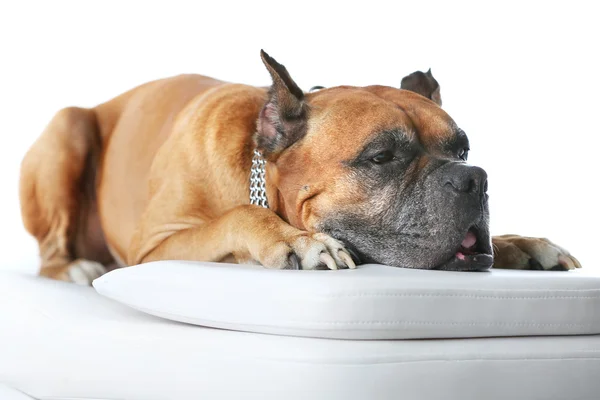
column 258, row 190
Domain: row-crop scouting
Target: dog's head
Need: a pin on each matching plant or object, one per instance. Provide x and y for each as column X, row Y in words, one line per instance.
column 381, row 169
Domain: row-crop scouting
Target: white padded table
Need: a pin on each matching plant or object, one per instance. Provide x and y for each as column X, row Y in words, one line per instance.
column 62, row 341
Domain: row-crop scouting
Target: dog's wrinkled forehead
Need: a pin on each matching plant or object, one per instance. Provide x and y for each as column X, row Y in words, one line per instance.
column 345, row 116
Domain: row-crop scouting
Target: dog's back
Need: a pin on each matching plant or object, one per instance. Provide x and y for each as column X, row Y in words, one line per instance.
column 91, row 166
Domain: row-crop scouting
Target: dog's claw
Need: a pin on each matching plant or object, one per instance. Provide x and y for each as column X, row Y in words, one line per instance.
column 328, row 260
column 345, row 257
column 566, row 263
column 294, row 262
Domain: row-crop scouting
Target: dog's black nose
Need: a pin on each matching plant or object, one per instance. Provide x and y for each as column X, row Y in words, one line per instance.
column 466, row 179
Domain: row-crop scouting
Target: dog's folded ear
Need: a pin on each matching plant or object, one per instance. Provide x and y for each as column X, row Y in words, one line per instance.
column 283, row 119
column 424, row 84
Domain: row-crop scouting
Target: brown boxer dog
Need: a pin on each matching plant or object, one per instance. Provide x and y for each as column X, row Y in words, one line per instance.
column 352, row 175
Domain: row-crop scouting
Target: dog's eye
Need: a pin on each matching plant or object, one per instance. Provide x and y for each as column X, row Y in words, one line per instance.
column 383, row 157
column 463, row 154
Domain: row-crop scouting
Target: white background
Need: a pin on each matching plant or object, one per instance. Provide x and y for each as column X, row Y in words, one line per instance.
column 520, row 78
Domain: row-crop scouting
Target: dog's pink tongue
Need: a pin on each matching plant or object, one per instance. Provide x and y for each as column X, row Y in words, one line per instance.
column 469, row 240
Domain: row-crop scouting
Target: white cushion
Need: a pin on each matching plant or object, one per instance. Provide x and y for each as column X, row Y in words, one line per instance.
column 63, row 341
column 371, row 302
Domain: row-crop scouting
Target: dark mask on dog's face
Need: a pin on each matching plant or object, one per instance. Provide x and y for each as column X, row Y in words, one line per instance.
column 381, row 169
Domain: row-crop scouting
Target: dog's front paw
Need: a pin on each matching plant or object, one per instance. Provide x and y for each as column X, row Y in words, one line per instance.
column 518, row 252
column 306, row 251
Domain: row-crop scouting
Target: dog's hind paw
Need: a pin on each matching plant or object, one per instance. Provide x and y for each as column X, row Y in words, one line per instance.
column 83, row 272
column 518, row 252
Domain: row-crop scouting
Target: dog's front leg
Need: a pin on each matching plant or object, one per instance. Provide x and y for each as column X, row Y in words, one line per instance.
column 249, row 233
column 520, row 252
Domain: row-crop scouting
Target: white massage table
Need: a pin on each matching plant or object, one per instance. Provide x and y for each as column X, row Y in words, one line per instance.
column 62, row 341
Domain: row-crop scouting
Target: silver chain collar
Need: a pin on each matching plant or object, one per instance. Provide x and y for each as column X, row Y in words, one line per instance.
column 258, row 190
